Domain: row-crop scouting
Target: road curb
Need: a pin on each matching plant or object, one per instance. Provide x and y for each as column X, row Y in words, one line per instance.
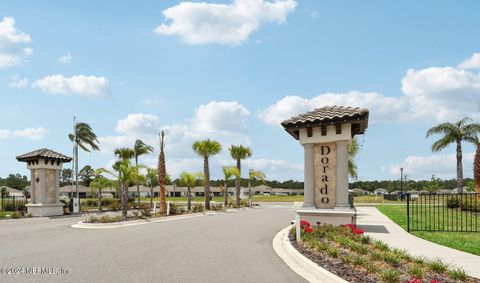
column 304, row 267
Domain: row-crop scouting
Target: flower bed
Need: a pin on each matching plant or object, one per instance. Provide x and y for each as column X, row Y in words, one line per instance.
column 346, row 252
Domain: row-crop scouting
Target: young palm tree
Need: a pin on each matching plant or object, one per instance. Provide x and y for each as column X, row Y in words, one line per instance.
column 127, row 174
column 228, row 173
column 140, row 148
column 239, row 152
column 99, row 183
column 188, row 180
column 253, row 175
column 205, row 149
column 86, row 139
column 455, row 133
column 151, row 180
column 353, row 149
column 124, row 153
column 162, row 176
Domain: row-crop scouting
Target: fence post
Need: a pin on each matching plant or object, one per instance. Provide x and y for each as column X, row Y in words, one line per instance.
column 14, row 204
column 408, row 213
column 298, row 229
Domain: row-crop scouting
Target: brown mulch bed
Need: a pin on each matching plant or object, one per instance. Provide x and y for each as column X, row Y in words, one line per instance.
column 349, row 273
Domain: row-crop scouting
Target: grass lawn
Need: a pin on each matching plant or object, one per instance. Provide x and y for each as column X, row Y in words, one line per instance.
column 3, row 214
column 373, row 199
column 464, row 241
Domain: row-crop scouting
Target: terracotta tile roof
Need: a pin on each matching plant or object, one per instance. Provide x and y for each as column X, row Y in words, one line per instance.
column 43, row 153
column 329, row 115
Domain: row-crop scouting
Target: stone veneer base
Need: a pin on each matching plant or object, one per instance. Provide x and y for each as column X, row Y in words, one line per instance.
column 335, row 216
column 38, row 209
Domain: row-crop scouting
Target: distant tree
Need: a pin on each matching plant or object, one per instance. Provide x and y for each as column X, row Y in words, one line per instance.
column 4, row 192
column 434, row 185
column 205, row 149
column 16, row 181
column 140, row 148
column 238, row 153
column 65, row 176
column 455, row 133
column 86, row 174
column 99, row 183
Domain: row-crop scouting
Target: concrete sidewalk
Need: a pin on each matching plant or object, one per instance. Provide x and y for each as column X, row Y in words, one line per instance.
column 379, row 226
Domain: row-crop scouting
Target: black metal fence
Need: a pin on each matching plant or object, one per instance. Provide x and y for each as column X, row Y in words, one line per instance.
column 443, row 212
column 12, row 203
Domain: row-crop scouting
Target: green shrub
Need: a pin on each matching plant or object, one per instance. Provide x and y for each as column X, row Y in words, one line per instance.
column 453, row 203
column 438, row 266
column 30, row 215
column 470, row 206
column 332, row 252
column 390, row 276
column 416, row 271
column 145, row 210
column 198, row 207
column 114, row 206
column 380, row 245
column 359, row 261
column 16, row 215
column 175, row 209
column 458, row 274
column 216, row 207
column 104, row 219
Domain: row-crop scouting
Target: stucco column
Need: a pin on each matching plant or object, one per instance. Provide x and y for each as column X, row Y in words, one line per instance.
column 56, row 186
column 32, row 186
column 342, row 174
column 309, row 177
column 41, row 185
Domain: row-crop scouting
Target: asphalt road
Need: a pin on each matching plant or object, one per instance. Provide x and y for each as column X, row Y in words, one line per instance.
column 225, row 247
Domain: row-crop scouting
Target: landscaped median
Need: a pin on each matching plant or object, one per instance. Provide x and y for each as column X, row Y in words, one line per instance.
column 345, row 252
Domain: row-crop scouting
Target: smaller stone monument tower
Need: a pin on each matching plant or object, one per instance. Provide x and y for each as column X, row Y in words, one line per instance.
column 45, row 166
column 325, row 134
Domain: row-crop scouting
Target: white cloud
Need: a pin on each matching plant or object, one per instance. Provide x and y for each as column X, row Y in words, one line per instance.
column 65, row 59
column 442, row 166
column 80, row 84
column 471, row 63
column 12, row 41
column 138, row 124
column 34, row 134
column 381, row 107
column 203, row 23
column 220, row 117
column 17, row 82
column 434, row 94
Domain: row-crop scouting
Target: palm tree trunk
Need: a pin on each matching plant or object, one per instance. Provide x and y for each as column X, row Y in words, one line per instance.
column 206, row 171
column 189, row 199
column 249, row 191
column 237, row 183
column 138, row 185
column 151, row 196
column 99, row 199
column 459, row 167
column 225, row 195
column 124, row 200
column 476, row 169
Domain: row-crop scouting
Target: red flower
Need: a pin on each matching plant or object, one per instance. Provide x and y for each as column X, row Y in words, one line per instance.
column 434, row 281
column 304, row 224
column 358, row 231
column 308, row 229
column 414, row 281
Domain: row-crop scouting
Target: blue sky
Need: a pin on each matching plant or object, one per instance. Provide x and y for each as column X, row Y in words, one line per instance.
column 232, row 70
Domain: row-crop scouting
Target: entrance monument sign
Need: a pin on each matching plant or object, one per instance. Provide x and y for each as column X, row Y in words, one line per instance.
column 325, row 134
column 45, row 166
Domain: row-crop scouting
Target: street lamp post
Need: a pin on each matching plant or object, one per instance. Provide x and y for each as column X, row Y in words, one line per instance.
column 401, row 183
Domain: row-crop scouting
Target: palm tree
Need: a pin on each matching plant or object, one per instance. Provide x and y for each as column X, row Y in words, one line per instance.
column 239, row 152
column 253, row 175
column 86, row 139
column 162, row 176
column 228, row 173
column 205, row 149
column 476, row 167
column 455, row 133
column 151, row 180
column 353, row 149
column 87, row 173
column 188, row 180
column 99, row 183
column 123, row 153
column 140, row 148
column 127, row 173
